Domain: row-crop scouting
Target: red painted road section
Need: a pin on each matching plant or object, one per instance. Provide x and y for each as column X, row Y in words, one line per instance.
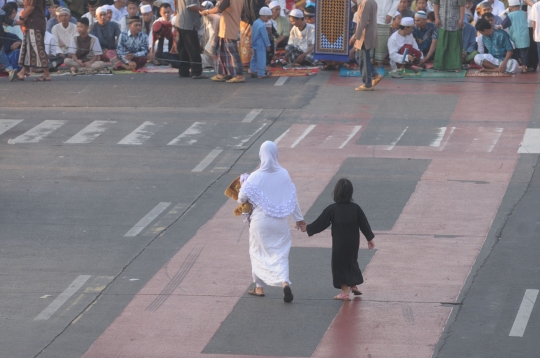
column 420, row 264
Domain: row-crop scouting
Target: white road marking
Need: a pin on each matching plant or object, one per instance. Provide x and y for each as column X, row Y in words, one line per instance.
column 397, row 140
column 437, row 141
column 151, row 216
column 186, row 136
column 524, row 313
column 353, row 133
column 206, row 161
column 281, row 136
column 452, row 129
column 90, row 132
column 139, row 135
column 245, row 139
column 251, row 115
column 486, row 139
column 7, row 124
column 531, row 141
column 281, row 81
column 306, row 132
column 39, row 132
column 62, row 298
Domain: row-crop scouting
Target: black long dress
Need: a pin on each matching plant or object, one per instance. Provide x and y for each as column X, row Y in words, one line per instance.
column 346, row 218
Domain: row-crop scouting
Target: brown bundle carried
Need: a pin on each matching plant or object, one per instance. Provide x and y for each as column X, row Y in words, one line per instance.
column 232, row 192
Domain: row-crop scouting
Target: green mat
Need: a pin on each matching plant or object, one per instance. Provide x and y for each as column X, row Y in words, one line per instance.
column 429, row 74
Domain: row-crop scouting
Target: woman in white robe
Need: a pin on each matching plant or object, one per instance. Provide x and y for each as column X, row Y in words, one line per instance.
column 273, row 195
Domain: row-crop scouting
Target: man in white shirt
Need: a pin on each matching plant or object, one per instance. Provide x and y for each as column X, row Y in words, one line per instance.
column 532, row 55
column 91, row 14
column 64, row 30
column 299, row 51
column 402, row 47
column 119, row 10
column 132, row 10
column 497, row 7
column 56, row 57
column 535, row 18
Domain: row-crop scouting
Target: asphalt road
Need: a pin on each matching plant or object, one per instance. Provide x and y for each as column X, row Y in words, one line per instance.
column 104, row 179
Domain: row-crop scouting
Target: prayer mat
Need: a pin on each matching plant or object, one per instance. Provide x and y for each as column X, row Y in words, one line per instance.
column 429, row 74
column 293, row 72
column 477, row 73
column 345, row 72
column 332, row 30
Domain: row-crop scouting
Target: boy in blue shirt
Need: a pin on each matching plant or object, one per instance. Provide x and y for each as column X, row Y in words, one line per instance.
column 500, row 48
column 260, row 43
column 518, row 29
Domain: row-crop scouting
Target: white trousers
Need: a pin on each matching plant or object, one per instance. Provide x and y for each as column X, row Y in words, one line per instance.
column 511, row 65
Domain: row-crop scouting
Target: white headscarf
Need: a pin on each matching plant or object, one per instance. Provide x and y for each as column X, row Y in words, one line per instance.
column 270, row 187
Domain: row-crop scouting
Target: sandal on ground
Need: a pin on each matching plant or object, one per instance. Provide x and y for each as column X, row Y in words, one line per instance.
column 254, row 292
column 12, row 75
column 218, row 79
column 236, row 80
column 342, row 297
column 287, row 294
column 356, row 291
column 42, row 79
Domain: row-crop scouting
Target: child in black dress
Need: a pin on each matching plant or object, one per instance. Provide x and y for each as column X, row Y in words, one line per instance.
column 346, row 218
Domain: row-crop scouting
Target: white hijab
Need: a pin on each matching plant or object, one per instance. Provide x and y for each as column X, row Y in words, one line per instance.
column 270, row 187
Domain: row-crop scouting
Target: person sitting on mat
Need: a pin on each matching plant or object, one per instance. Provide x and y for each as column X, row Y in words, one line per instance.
column 299, row 51
column 499, row 46
column 402, row 47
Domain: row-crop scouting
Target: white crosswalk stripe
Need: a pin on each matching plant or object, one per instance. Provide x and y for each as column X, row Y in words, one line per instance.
column 189, row 136
column 7, row 124
column 141, row 134
column 90, row 132
column 531, row 141
column 39, row 132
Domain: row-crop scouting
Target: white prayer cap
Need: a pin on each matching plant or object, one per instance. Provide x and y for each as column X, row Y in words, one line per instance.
column 407, row 21
column 420, row 15
column 145, row 9
column 273, row 4
column 109, row 7
column 207, row 5
column 514, row 2
column 62, row 10
column 101, row 10
column 297, row 13
column 268, row 23
column 265, row 11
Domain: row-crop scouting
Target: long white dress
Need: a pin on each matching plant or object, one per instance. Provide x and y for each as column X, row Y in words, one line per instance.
column 273, row 196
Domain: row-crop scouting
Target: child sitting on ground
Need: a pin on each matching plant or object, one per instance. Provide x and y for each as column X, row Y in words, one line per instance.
column 346, row 218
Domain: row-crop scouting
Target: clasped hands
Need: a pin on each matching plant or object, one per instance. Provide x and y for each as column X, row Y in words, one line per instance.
column 301, row 225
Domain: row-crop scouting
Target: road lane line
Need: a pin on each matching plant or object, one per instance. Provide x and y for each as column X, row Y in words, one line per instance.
column 250, row 116
column 524, row 313
column 281, row 136
column 437, row 141
column 452, row 129
column 90, row 132
column 62, row 298
column 151, row 216
column 497, row 135
column 245, row 139
column 531, row 141
column 139, row 135
column 39, row 132
column 353, row 133
column 194, row 129
column 206, row 161
column 7, row 124
column 397, row 140
column 281, row 81
column 306, row 132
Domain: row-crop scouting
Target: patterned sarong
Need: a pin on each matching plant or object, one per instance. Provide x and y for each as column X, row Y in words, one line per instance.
column 332, row 30
column 228, row 61
column 292, row 52
column 244, row 47
column 33, row 50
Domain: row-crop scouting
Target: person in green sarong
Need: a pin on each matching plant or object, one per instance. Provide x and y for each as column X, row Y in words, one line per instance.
column 449, row 15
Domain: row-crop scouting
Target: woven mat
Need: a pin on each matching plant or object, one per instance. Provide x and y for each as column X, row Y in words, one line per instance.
column 332, row 30
column 477, row 73
column 293, row 72
column 430, row 74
